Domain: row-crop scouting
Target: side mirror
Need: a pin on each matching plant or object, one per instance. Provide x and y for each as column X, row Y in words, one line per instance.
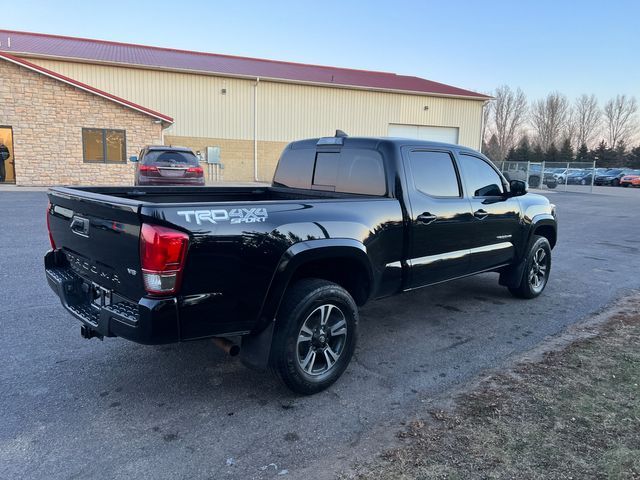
column 133, row 159
column 517, row 188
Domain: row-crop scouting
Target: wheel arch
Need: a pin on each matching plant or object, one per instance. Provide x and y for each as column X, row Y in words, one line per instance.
column 342, row 261
column 545, row 226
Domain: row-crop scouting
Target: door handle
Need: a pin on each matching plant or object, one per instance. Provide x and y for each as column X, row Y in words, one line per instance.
column 480, row 214
column 427, row 218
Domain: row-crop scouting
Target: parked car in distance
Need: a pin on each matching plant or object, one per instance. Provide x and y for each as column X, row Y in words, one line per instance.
column 561, row 177
column 635, row 182
column 627, row 179
column 284, row 267
column 535, row 172
column 583, row 177
column 610, row 177
column 167, row 165
column 519, row 172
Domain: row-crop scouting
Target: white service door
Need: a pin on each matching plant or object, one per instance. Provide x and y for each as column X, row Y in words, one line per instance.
column 435, row 134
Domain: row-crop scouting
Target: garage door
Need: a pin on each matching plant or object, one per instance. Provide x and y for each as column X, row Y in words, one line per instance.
column 435, row 134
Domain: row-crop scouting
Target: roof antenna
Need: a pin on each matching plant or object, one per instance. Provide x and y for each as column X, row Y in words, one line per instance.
column 340, row 133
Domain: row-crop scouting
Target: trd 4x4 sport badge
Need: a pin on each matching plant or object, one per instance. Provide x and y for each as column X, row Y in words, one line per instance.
column 235, row 215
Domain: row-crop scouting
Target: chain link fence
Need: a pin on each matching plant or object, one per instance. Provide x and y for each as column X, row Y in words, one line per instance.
column 562, row 176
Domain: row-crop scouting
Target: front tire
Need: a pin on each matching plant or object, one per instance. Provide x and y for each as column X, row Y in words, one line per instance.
column 315, row 335
column 536, row 271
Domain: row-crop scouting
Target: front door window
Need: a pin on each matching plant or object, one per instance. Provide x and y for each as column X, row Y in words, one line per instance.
column 7, row 163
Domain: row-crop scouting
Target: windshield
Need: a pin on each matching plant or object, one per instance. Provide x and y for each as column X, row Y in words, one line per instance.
column 613, row 172
column 168, row 158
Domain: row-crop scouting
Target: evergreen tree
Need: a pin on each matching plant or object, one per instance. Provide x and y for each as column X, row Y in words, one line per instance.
column 634, row 158
column 523, row 152
column 511, row 155
column 538, row 154
column 566, row 152
column 582, row 155
column 620, row 154
column 552, row 154
column 493, row 149
column 603, row 155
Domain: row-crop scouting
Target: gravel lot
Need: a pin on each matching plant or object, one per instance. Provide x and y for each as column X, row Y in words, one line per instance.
column 73, row 408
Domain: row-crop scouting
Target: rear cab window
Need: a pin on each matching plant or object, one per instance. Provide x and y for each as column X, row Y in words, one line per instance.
column 348, row 170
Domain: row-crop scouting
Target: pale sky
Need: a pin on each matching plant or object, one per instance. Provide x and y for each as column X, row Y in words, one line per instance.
column 540, row 46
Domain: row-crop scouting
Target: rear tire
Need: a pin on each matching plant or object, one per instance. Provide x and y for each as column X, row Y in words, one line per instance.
column 534, row 181
column 536, row 271
column 315, row 336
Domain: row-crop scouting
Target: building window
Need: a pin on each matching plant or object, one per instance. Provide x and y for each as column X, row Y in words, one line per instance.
column 100, row 145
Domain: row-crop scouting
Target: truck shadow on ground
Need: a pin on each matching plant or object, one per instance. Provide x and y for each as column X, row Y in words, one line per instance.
column 403, row 323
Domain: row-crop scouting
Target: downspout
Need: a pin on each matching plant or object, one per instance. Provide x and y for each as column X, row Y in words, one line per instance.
column 484, row 105
column 255, row 129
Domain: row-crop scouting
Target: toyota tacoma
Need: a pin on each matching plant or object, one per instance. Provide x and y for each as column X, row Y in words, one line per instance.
column 277, row 272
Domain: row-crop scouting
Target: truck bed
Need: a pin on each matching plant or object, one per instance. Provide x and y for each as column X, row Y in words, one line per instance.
column 216, row 194
column 238, row 237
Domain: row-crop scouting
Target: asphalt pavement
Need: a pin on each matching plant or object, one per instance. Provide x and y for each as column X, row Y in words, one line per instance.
column 73, row 408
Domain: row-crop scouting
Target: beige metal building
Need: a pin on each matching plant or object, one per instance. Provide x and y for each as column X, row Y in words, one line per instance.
column 249, row 108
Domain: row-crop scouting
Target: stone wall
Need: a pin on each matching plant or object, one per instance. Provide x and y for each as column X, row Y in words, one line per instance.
column 236, row 156
column 47, row 117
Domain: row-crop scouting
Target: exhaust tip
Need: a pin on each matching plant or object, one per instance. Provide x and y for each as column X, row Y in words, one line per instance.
column 230, row 348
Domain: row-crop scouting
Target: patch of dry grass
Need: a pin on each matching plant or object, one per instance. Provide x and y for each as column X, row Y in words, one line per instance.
column 575, row 414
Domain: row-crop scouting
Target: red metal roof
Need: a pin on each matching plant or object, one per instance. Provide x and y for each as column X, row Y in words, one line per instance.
column 39, row 44
column 84, row 86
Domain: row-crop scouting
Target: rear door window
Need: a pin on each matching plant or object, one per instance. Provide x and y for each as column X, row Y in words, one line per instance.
column 434, row 173
column 169, row 158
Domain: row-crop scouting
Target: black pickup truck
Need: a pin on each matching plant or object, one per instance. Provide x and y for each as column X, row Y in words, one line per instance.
column 278, row 271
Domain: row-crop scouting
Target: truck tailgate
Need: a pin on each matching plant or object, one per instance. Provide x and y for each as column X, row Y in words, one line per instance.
column 99, row 236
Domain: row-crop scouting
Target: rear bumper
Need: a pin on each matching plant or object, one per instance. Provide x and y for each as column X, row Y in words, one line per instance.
column 149, row 321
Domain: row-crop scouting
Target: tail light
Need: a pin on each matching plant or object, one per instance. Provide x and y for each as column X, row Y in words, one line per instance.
column 197, row 170
column 163, row 252
column 53, row 244
column 148, row 168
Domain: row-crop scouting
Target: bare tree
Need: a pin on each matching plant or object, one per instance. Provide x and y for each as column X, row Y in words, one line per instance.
column 586, row 119
column 486, row 113
column 620, row 119
column 507, row 114
column 570, row 128
column 549, row 118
